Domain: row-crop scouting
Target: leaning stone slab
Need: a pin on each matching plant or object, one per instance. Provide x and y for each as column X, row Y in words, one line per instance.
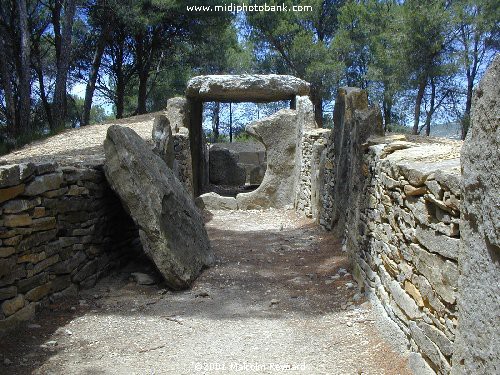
column 171, row 228
column 246, row 87
column 214, row 201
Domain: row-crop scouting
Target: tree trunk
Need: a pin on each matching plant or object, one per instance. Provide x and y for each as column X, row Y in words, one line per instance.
column 418, row 103
column 6, row 81
column 24, row 89
column 468, row 105
column 43, row 94
column 94, row 72
column 317, row 102
column 431, row 109
column 140, row 61
column 230, row 122
column 143, row 92
column 216, row 121
column 120, row 96
column 387, row 108
column 59, row 107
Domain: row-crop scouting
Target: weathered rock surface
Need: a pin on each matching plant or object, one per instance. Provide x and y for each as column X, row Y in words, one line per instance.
column 170, row 226
column 279, row 133
column 214, row 201
column 242, row 162
column 305, row 110
column 354, row 122
column 162, row 137
column 477, row 345
column 224, row 168
column 178, row 113
column 246, row 87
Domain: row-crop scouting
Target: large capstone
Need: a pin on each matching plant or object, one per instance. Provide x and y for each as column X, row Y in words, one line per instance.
column 280, row 134
column 246, row 88
column 477, row 345
column 170, row 226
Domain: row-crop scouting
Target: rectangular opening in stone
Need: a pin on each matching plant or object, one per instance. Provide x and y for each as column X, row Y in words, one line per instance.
column 236, row 160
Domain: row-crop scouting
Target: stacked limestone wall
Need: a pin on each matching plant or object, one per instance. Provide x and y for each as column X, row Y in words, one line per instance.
column 309, row 190
column 404, row 241
column 396, row 205
column 61, row 228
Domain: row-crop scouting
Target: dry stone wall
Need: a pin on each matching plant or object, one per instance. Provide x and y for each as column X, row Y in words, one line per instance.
column 396, row 205
column 404, row 240
column 309, row 190
column 61, row 228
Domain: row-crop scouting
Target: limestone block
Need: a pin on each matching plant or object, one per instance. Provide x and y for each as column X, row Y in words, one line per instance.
column 19, row 205
column 224, row 167
column 9, row 175
column 6, row 251
column 39, row 292
column 44, row 183
column 24, row 314
column 21, row 220
column 246, row 87
column 441, row 273
column 214, row 201
column 163, row 140
column 437, row 243
column 11, row 192
column 404, row 301
column 8, row 292
column 430, row 349
column 10, row 306
column 178, row 114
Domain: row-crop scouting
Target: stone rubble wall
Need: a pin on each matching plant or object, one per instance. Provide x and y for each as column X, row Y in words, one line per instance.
column 396, row 205
column 307, row 199
column 404, row 243
column 61, row 228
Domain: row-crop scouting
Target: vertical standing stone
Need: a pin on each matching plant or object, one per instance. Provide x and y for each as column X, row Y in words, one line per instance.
column 279, row 133
column 354, row 122
column 477, row 345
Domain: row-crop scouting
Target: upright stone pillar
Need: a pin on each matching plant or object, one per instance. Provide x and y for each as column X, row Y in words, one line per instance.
column 477, row 344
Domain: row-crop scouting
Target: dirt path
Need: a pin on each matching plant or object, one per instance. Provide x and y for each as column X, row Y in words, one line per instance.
column 278, row 300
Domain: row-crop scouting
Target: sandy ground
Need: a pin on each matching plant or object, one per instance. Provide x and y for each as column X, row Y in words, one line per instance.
column 279, row 299
column 82, row 146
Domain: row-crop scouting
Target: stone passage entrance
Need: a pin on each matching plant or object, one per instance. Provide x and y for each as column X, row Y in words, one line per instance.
column 232, row 88
column 281, row 133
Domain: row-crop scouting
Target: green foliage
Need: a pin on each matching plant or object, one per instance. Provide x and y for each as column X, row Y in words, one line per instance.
column 298, row 43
